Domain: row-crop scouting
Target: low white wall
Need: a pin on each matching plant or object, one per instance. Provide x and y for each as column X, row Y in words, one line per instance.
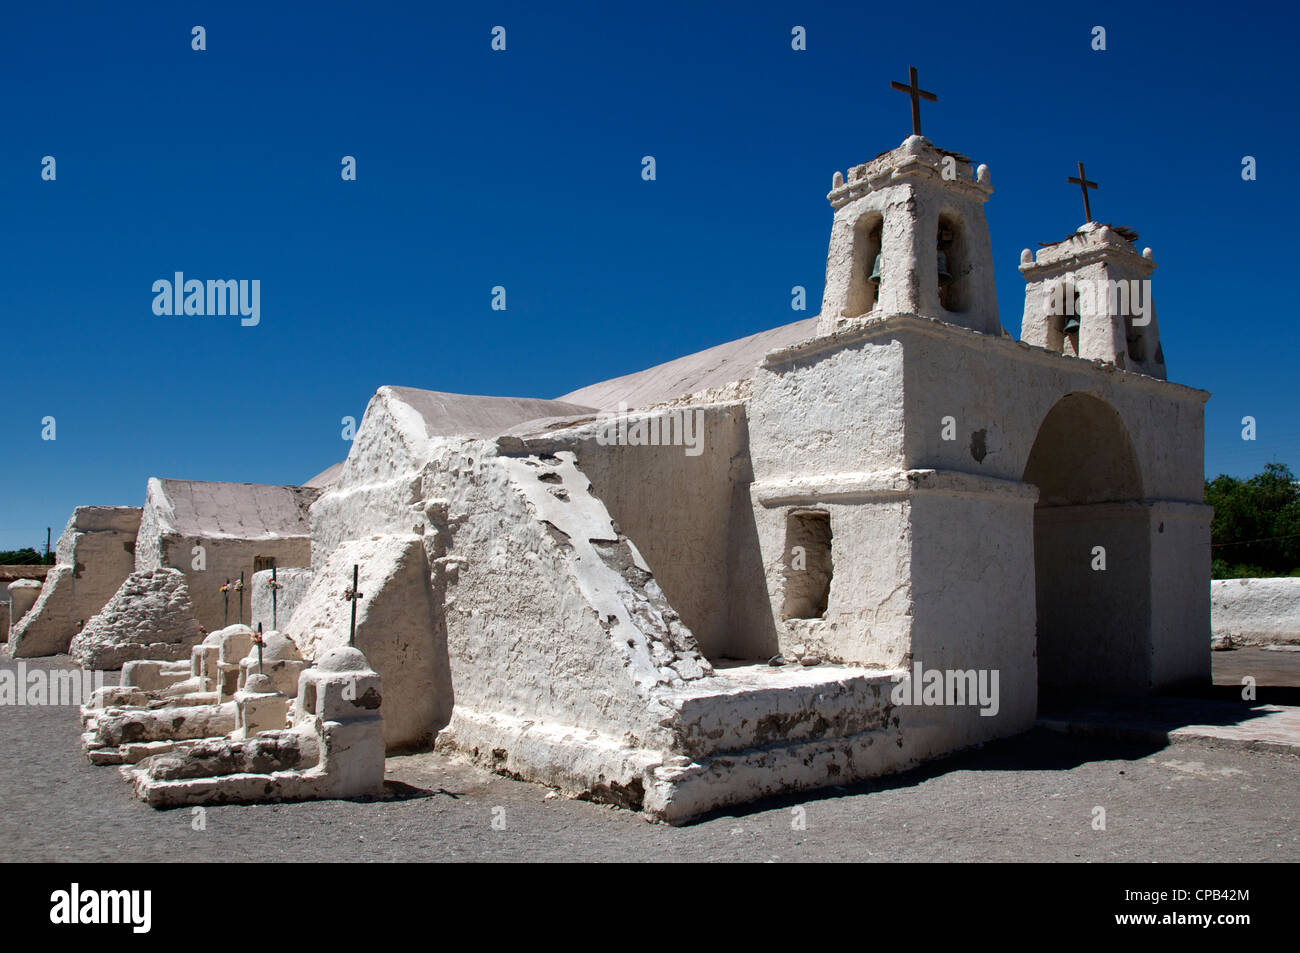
column 1256, row 611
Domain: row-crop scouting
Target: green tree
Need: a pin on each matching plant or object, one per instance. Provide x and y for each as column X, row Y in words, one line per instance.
column 21, row 557
column 1256, row 526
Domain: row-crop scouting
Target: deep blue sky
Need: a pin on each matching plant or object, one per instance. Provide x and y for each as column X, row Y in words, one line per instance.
column 522, row 169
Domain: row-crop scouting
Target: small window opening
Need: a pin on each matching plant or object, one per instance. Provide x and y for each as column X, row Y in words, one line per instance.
column 808, row 566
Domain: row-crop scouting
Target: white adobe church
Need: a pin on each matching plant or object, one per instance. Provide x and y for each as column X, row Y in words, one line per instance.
column 895, row 485
column 600, row 617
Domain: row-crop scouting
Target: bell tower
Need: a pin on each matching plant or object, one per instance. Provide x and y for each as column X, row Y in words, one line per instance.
column 909, row 237
column 1089, row 296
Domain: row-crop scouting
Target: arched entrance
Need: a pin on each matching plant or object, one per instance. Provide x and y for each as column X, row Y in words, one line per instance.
column 1092, row 556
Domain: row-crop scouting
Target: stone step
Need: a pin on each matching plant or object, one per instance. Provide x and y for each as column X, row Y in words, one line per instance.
column 754, row 706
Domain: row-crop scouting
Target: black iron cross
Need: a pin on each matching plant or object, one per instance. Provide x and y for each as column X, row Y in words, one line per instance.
column 352, row 595
column 1083, row 183
column 917, row 94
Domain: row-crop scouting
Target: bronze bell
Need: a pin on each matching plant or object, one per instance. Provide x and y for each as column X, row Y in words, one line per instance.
column 944, row 277
column 875, row 270
column 1071, row 326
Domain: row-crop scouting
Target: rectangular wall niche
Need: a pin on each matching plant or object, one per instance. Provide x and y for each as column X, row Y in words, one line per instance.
column 807, row 564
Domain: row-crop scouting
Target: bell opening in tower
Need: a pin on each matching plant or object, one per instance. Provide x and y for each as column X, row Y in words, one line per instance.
column 951, row 270
column 864, row 285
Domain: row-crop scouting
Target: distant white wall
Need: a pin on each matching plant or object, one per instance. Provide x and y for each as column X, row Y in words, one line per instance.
column 1258, row 611
column 96, row 553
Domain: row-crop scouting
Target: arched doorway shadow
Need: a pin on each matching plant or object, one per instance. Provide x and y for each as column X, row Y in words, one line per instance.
column 1092, row 554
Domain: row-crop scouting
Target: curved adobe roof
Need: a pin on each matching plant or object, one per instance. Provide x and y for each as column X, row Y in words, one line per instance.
column 733, row 361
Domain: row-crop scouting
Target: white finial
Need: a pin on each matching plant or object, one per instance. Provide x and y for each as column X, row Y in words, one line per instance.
column 982, row 175
column 1148, row 254
column 1026, row 257
column 837, row 180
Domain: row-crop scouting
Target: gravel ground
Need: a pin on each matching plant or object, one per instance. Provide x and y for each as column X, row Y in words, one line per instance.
column 1029, row 798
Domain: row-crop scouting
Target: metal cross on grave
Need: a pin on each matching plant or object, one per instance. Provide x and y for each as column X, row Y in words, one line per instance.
column 1084, row 185
column 351, row 594
column 917, row 94
column 259, row 642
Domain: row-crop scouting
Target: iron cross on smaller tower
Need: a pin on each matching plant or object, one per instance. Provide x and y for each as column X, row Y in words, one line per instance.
column 917, row 94
column 1083, row 183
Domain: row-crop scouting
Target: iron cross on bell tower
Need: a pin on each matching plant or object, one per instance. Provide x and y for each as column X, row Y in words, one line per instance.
column 917, row 94
column 1084, row 185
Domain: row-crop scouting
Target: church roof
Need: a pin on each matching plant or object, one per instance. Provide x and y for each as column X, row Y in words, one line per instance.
column 326, row 477
column 231, row 510
column 733, row 361
column 471, row 415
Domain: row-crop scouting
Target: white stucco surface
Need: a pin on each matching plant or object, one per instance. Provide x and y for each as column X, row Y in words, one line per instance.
column 1256, row 611
column 293, row 585
column 395, row 626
